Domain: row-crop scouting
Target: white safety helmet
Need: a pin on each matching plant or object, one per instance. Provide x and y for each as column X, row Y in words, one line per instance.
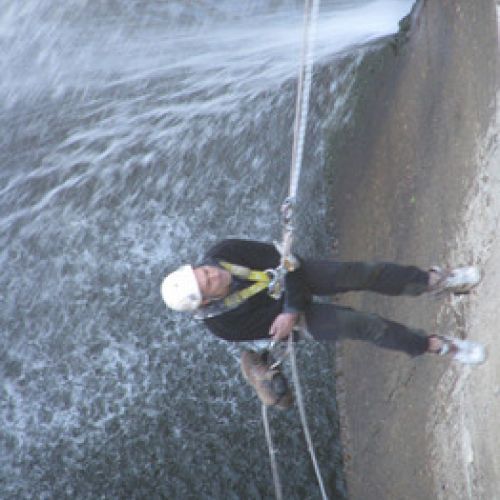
column 180, row 290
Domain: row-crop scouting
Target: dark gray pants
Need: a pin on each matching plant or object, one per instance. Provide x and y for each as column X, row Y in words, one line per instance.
column 332, row 322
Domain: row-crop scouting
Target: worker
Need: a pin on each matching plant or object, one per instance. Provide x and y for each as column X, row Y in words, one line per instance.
column 229, row 292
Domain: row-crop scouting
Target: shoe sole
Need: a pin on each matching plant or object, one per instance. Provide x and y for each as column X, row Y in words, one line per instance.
column 470, row 278
column 467, row 351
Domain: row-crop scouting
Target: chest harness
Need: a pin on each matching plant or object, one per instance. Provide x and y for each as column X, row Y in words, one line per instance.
column 270, row 279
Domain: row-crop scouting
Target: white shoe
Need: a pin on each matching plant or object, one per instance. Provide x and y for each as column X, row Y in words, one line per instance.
column 463, row 351
column 459, row 280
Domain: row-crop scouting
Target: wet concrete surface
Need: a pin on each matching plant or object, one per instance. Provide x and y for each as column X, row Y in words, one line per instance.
column 401, row 179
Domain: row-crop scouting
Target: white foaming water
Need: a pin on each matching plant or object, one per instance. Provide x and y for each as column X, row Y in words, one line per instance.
column 250, row 55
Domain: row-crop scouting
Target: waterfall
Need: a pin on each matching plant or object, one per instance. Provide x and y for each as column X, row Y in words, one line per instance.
column 132, row 138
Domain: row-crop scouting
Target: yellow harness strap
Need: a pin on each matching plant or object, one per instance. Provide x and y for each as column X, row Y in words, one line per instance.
column 245, row 273
column 261, row 279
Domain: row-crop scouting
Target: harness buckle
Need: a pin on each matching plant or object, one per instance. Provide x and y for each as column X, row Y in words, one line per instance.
column 275, row 286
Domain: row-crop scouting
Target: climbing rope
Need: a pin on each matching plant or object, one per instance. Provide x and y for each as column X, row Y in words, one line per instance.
column 303, row 418
column 272, row 455
column 287, row 261
column 299, row 130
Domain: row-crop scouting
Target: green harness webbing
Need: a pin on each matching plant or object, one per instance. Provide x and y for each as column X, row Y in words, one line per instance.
column 261, row 279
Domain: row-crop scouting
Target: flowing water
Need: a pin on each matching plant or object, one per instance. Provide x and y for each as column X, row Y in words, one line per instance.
column 134, row 134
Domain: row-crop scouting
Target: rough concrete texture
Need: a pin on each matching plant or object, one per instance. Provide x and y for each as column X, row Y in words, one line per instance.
column 463, row 419
column 418, row 182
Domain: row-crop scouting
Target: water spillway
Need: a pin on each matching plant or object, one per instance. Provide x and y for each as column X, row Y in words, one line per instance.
column 132, row 138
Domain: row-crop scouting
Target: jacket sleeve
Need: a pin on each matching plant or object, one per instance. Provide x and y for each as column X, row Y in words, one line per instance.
column 297, row 294
column 248, row 253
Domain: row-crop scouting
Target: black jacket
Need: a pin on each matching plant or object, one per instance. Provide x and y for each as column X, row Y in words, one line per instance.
column 252, row 319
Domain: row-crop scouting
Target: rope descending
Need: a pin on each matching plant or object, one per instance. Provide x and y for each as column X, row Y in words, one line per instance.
column 287, row 260
column 272, row 455
column 299, row 130
column 303, row 418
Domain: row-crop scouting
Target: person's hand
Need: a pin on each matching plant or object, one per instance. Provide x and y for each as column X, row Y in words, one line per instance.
column 283, row 325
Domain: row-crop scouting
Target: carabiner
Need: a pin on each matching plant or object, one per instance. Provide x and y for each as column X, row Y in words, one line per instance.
column 274, row 287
